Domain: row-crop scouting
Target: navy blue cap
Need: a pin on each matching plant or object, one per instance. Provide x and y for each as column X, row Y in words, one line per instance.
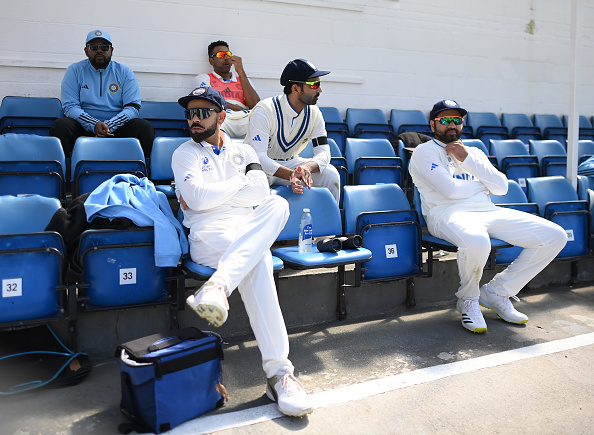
column 442, row 105
column 94, row 34
column 204, row 93
column 300, row 70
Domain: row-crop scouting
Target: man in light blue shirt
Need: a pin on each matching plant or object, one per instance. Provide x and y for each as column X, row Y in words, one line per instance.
column 101, row 98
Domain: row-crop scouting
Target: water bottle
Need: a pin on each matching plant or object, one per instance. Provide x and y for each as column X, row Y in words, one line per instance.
column 305, row 232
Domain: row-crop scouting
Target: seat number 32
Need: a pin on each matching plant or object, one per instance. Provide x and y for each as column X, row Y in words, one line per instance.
column 12, row 287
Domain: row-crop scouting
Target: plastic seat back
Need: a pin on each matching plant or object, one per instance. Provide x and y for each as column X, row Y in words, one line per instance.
column 551, row 127
column 29, row 115
column 372, row 161
column 382, row 216
column 486, row 126
column 323, row 208
column 31, row 164
column 585, row 150
column 369, row 123
column 31, row 261
column 167, row 118
column 551, row 155
column 558, row 201
column 520, row 126
column 119, row 266
column 95, row 160
column 409, row 120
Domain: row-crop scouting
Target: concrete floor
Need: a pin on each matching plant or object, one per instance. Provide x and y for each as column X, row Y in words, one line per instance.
column 537, row 393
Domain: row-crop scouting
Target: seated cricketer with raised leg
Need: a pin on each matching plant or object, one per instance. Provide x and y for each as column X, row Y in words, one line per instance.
column 233, row 221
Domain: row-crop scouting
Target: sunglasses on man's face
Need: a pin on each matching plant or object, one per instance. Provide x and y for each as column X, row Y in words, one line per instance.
column 95, row 47
column 200, row 113
column 446, row 120
column 222, row 54
column 313, row 85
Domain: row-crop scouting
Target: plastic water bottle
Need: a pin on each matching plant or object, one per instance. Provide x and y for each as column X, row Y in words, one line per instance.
column 305, row 231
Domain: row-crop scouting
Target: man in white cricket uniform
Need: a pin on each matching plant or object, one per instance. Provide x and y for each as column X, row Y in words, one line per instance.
column 455, row 183
column 233, row 221
column 281, row 126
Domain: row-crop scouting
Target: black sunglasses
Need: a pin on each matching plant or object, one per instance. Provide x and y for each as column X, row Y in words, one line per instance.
column 200, row 113
column 94, row 47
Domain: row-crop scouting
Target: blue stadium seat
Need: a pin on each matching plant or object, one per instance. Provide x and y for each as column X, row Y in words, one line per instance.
column 31, row 164
column 514, row 161
column 31, row 263
column 486, row 126
column 339, row 162
column 551, row 127
column 161, row 172
column 369, row 124
column 520, row 127
column 119, row 268
column 432, row 243
column 382, row 216
column 409, row 120
column 336, row 128
column 551, row 155
column 372, row 161
column 326, row 222
column 514, row 198
column 96, row 159
column 558, row 202
column 477, row 143
column 586, row 132
column 585, row 150
column 29, row 115
column 583, row 184
column 167, row 118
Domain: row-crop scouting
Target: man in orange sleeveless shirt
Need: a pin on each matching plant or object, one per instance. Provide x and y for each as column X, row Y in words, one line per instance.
column 234, row 86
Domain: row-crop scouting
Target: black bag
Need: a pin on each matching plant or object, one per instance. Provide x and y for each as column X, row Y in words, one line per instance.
column 170, row 378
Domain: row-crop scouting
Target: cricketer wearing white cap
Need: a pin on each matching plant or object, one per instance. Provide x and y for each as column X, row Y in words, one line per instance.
column 233, row 221
column 455, row 183
column 281, row 126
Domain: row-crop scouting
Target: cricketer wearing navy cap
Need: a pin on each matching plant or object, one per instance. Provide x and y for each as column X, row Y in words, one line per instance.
column 455, row 183
column 280, row 128
column 233, row 221
column 200, row 105
column 442, row 105
column 300, row 71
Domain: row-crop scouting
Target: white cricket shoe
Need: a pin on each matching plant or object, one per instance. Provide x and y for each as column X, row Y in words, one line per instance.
column 502, row 306
column 210, row 303
column 472, row 318
column 289, row 395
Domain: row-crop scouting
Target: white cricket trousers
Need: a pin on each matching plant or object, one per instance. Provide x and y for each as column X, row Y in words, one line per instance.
column 541, row 239
column 330, row 179
column 245, row 262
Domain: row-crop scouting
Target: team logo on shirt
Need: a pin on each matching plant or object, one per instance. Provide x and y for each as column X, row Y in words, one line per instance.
column 237, row 159
column 114, row 88
column 205, row 161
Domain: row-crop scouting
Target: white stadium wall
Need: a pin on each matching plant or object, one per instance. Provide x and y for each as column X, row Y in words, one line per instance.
column 499, row 56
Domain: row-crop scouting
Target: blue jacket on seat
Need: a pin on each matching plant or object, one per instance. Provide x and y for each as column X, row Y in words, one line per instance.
column 126, row 195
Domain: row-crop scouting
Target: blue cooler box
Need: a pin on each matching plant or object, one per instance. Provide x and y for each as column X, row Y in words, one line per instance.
column 170, row 378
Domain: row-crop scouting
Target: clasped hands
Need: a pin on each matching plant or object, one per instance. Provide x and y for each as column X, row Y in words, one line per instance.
column 300, row 177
